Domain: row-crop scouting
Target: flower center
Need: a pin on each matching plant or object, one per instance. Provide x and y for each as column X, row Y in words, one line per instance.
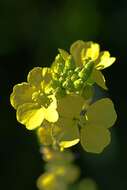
column 41, row 98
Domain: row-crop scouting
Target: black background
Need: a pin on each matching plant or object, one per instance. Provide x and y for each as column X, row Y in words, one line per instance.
column 30, row 33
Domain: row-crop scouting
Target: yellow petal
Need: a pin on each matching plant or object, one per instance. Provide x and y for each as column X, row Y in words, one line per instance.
column 102, row 112
column 70, row 106
column 75, row 51
column 51, row 113
column 53, row 104
column 67, row 144
column 35, row 76
column 30, row 115
column 94, row 138
column 46, row 80
column 46, row 74
column 98, row 77
column 22, row 93
column 104, row 60
column 69, row 134
column 92, row 51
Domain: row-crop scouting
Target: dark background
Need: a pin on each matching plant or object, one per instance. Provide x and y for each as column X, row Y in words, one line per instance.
column 30, row 33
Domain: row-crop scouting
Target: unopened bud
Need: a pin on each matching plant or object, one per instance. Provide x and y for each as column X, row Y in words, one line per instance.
column 68, row 84
column 69, row 63
column 78, row 84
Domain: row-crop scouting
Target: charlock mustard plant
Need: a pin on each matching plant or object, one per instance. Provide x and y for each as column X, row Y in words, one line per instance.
column 57, row 102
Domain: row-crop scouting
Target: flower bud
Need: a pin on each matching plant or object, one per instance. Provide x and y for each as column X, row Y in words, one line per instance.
column 85, row 73
column 69, row 63
column 68, row 85
column 60, row 92
column 78, row 84
column 74, row 77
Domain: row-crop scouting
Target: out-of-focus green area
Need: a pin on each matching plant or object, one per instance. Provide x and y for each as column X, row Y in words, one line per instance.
column 30, row 33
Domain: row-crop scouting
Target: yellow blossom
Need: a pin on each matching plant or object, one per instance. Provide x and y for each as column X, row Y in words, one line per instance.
column 90, row 128
column 30, row 100
column 94, row 133
column 82, row 52
column 69, row 109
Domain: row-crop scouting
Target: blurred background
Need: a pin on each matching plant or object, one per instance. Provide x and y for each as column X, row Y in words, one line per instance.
column 30, row 33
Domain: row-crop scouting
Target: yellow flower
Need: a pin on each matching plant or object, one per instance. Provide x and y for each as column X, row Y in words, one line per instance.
column 90, row 129
column 64, row 131
column 99, row 117
column 82, row 52
column 69, row 109
column 30, row 100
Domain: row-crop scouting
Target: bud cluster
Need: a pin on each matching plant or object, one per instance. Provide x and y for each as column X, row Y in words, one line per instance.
column 67, row 78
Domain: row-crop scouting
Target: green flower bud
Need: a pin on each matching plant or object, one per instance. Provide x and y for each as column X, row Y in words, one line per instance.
column 55, row 76
column 59, row 68
column 63, row 53
column 55, row 83
column 61, row 79
column 85, row 73
column 74, row 77
column 60, row 92
column 82, row 73
column 89, row 65
column 59, row 58
column 90, row 81
column 78, row 84
column 69, row 73
column 69, row 63
column 58, row 64
column 77, row 69
column 68, row 85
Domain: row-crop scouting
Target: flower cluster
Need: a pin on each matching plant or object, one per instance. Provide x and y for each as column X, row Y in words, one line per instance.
column 59, row 170
column 57, row 101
